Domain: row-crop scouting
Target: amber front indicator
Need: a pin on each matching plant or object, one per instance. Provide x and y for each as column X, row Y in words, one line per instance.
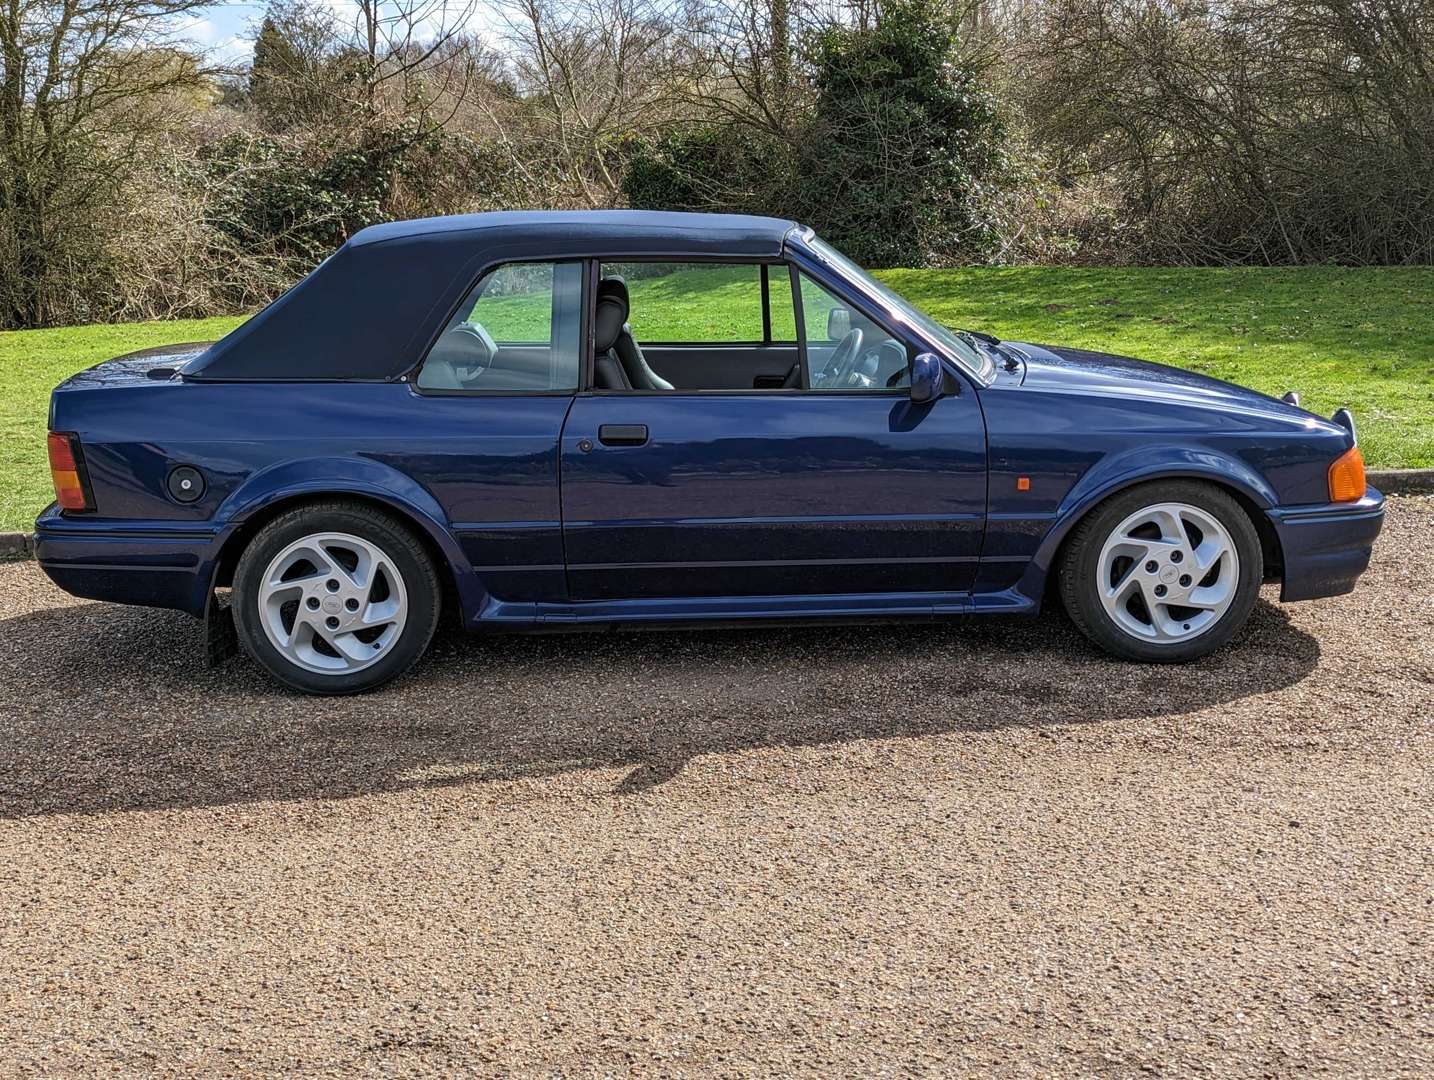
column 1346, row 476
column 67, row 470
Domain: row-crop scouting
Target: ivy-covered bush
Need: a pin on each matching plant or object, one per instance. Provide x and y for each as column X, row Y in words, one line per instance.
column 268, row 192
column 897, row 162
column 276, row 208
column 904, row 146
column 726, row 169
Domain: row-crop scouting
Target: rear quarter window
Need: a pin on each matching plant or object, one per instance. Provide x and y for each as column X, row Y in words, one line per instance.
column 518, row 329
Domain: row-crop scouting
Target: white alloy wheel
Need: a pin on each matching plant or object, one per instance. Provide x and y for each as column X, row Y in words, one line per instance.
column 1168, row 573
column 332, row 603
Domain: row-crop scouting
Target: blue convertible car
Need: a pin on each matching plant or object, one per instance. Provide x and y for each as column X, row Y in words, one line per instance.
column 563, row 420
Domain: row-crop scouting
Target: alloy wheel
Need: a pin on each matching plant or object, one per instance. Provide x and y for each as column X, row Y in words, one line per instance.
column 332, row 603
column 1168, row 573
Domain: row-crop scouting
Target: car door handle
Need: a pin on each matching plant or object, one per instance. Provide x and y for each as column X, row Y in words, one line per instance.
column 622, row 434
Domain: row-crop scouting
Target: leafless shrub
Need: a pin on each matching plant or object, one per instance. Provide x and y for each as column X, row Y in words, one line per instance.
column 84, row 83
column 588, row 75
column 1263, row 131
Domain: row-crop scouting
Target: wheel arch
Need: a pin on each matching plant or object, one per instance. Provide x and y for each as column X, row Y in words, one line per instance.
column 263, row 499
column 240, row 537
column 1252, row 500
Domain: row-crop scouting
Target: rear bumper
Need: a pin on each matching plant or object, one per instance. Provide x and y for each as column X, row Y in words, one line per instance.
column 1326, row 548
column 154, row 566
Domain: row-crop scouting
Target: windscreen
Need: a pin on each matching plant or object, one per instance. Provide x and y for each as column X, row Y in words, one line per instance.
column 943, row 336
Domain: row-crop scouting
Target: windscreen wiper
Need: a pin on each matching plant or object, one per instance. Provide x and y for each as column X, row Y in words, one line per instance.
column 978, row 340
column 977, row 335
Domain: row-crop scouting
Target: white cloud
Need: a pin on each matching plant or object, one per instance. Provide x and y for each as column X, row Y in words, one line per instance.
column 234, row 50
column 217, row 39
column 194, row 29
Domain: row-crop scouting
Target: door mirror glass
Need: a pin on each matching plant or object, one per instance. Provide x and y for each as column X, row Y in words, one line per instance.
column 928, row 378
column 838, row 323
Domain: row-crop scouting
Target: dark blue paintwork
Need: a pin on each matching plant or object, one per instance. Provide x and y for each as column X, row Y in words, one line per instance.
column 751, row 504
column 765, row 495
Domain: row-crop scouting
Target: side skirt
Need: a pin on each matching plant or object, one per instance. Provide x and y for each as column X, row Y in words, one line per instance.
column 734, row 611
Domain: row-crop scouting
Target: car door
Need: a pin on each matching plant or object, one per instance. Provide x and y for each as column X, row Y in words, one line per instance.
column 805, row 491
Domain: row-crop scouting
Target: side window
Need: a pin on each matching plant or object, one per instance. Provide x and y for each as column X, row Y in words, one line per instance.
column 517, row 329
column 691, row 303
column 784, row 318
column 846, row 350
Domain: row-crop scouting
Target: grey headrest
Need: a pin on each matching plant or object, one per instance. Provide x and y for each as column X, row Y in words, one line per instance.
column 612, row 307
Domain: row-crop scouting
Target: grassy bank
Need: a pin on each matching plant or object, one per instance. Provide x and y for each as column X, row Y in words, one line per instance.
column 1363, row 338
column 31, row 363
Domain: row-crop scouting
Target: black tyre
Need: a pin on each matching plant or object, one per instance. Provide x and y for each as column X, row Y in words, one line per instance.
column 1165, row 572
column 335, row 598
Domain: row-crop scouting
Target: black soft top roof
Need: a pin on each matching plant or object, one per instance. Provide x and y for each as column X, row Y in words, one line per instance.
column 369, row 310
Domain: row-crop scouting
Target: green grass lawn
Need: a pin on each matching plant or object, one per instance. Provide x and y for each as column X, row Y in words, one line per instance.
column 1362, row 338
column 31, row 363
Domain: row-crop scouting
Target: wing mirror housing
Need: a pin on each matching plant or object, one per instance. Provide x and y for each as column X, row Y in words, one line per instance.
column 838, row 323
column 929, row 379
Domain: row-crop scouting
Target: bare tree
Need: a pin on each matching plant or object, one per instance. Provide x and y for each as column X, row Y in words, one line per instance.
column 752, row 71
column 407, row 53
column 591, row 74
column 294, row 78
column 1254, row 130
column 79, row 82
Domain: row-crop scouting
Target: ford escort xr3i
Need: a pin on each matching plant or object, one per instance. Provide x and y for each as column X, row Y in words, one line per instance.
column 590, row 419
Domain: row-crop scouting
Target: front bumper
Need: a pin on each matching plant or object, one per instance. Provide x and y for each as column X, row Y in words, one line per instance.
column 1326, row 548
column 154, row 564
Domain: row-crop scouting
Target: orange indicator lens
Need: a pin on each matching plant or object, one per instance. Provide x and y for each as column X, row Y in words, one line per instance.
column 1346, row 476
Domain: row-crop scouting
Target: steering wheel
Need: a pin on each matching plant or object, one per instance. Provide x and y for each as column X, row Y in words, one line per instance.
column 473, row 350
column 838, row 370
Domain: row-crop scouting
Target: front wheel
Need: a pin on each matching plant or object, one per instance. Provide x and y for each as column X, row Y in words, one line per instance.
column 335, row 598
column 1165, row 572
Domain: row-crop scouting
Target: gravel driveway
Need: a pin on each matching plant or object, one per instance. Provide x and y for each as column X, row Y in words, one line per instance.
column 968, row 848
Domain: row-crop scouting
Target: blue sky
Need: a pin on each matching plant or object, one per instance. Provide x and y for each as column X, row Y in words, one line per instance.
column 224, row 29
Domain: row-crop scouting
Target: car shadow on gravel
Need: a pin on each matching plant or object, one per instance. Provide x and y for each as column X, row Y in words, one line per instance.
column 111, row 708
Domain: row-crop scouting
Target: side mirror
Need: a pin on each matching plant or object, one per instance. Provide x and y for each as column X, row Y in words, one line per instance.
column 838, row 323
column 928, row 378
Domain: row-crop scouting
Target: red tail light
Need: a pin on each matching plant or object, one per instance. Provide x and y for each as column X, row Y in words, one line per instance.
column 67, row 470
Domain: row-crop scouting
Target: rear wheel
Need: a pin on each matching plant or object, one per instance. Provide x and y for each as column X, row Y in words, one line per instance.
column 1165, row 572
column 335, row 598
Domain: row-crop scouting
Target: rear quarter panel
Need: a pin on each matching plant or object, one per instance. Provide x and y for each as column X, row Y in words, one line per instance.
column 478, row 473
